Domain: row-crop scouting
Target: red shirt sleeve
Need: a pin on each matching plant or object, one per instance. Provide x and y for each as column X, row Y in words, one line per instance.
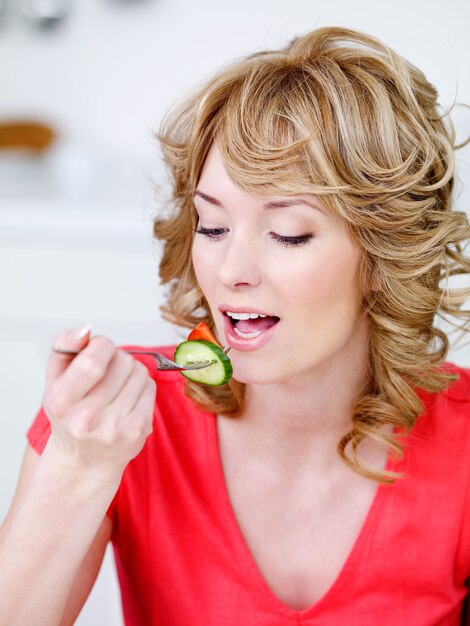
column 39, row 432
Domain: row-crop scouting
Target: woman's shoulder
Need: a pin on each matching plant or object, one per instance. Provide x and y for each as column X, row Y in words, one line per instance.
column 458, row 390
column 447, row 412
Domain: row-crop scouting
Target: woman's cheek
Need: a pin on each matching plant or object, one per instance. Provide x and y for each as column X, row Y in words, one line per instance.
column 201, row 266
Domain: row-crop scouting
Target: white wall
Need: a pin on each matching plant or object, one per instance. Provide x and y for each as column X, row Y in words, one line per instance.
column 75, row 229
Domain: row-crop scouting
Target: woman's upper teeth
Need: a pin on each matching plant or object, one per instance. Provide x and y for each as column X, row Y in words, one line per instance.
column 244, row 316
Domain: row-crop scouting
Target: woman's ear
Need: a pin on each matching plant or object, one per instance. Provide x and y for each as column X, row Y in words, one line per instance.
column 375, row 283
column 375, row 277
column 369, row 280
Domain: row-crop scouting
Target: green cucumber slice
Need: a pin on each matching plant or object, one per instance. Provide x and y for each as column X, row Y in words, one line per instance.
column 202, row 350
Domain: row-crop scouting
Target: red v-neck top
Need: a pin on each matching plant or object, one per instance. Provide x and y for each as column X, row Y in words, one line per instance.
column 182, row 560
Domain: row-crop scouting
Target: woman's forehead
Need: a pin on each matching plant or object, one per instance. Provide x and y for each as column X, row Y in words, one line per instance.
column 215, row 184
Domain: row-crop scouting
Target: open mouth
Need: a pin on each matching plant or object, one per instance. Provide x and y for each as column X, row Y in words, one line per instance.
column 250, row 325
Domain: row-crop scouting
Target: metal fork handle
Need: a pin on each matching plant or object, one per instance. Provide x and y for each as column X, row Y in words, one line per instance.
column 163, row 364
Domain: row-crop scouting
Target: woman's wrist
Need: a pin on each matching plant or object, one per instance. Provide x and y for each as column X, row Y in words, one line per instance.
column 80, row 477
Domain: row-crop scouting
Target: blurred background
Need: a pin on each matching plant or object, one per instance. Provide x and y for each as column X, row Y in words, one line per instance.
column 83, row 86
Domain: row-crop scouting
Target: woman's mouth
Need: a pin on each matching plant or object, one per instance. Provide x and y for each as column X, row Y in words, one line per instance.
column 248, row 331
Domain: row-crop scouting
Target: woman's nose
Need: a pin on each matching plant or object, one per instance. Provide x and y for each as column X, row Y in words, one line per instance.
column 240, row 263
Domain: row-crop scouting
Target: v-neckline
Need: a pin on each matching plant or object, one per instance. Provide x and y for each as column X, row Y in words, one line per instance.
column 246, row 558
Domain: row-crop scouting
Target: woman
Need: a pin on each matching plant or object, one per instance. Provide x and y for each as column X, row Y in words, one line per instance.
column 312, row 229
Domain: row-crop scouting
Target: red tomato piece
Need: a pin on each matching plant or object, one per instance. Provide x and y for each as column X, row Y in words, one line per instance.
column 202, row 331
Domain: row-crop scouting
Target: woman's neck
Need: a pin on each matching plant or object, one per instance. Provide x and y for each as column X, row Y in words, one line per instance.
column 306, row 416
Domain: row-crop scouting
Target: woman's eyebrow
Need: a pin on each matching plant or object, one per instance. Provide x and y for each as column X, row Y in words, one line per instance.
column 281, row 204
column 274, row 204
column 208, row 198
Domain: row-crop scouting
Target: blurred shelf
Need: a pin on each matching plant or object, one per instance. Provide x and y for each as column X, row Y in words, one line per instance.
column 56, row 223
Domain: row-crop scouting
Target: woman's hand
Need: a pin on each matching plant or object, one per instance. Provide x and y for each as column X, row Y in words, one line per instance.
column 100, row 404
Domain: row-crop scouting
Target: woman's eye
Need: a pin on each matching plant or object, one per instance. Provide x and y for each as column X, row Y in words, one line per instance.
column 212, row 233
column 292, row 241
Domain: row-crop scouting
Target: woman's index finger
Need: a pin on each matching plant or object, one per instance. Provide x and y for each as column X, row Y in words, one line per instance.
column 75, row 339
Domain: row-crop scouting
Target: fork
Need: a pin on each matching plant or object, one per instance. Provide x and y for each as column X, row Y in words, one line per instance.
column 162, row 362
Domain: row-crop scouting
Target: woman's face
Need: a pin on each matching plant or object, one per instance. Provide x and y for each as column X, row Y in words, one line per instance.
column 286, row 258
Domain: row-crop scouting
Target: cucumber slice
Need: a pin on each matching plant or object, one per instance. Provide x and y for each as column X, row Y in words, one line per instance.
column 202, row 350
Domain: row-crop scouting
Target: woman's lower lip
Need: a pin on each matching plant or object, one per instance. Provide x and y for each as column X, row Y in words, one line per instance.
column 245, row 345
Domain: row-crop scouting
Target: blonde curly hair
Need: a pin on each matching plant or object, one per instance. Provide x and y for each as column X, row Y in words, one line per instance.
column 338, row 114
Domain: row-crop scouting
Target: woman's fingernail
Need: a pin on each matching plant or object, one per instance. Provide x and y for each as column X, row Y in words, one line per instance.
column 82, row 331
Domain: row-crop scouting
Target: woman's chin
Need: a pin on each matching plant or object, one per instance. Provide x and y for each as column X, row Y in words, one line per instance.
column 253, row 376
